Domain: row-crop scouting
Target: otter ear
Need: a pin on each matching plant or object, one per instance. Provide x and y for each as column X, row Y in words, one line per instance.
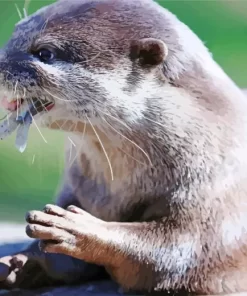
column 149, row 51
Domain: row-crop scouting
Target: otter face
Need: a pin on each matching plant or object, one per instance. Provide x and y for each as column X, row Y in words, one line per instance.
column 89, row 57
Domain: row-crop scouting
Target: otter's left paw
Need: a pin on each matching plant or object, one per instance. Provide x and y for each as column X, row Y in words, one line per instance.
column 71, row 232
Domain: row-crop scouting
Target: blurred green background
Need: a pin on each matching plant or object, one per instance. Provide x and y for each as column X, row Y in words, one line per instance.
column 29, row 180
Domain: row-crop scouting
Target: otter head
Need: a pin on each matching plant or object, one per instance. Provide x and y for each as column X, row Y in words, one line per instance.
column 130, row 62
column 93, row 57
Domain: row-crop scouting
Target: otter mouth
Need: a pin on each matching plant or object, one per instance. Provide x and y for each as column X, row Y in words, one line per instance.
column 20, row 116
column 35, row 105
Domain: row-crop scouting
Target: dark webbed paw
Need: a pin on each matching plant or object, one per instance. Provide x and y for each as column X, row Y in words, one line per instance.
column 21, row 271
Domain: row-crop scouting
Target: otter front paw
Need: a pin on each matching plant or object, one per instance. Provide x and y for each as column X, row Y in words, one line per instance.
column 72, row 232
column 17, row 270
column 11, row 270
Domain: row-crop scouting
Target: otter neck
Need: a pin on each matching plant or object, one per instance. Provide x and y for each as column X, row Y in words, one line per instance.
column 110, row 158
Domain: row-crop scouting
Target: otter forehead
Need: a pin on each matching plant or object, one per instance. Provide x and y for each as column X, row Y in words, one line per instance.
column 107, row 21
column 25, row 32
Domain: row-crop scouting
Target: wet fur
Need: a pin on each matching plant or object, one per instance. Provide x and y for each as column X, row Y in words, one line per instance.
column 180, row 221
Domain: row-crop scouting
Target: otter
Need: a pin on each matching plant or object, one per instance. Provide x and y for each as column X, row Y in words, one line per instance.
column 154, row 190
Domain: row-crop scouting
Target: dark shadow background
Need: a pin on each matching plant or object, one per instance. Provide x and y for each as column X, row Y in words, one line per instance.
column 29, row 180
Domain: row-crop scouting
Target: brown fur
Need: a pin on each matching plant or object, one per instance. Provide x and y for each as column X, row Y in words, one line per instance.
column 132, row 81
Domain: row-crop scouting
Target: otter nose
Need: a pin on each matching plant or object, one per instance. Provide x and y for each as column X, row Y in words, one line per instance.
column 19, row 65
column 16, row 66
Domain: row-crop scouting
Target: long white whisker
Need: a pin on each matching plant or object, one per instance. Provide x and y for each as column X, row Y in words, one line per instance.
column 18, row 103
column 71, row 147
column 154, row 121
column 25, row 8
column 129, row 141
column 25, row 13
column 93, row 58
column 62, row 125
column 15, row 87
column 17, row 99
column 78, row 150
column 33, row 159
column 72, row 142
column 101, row 144
column 8, row 116
column 142, row 163
column 43, row 106
column 38, row 129
column 18, row 11
column 24, row 93
column 55, row 97
column 115, row 118
column 70, row 151
column 44, row 26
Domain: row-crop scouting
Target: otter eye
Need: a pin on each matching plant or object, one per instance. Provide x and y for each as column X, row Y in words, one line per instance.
column 45, row 55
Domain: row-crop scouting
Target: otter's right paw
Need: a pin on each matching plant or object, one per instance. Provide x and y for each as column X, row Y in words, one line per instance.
column 22, row 271
column 11, row 270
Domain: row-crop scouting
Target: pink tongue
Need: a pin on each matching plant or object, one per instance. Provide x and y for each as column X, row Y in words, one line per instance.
column 10, row 106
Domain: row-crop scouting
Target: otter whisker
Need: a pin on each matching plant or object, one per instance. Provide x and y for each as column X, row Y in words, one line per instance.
column 70, row 151
column 132, row 142
column 44, row 26
column 39, row 130
column 115, row 118
column 45, row 23
column 55, row 97
column 88, row 60
column 18, row 11
column 25, row 8
column 78, row 150
column 72, row 142
column 62, row 125
column 40, row 101
column 15, row 87
column 71, row 147
column 101, row 144
column 17, row 106
column 33, row 159
column 8, row 116
column 159, row 124
column 17, row 99
column 140, row 162
column 33, row 105
column 25, row 13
